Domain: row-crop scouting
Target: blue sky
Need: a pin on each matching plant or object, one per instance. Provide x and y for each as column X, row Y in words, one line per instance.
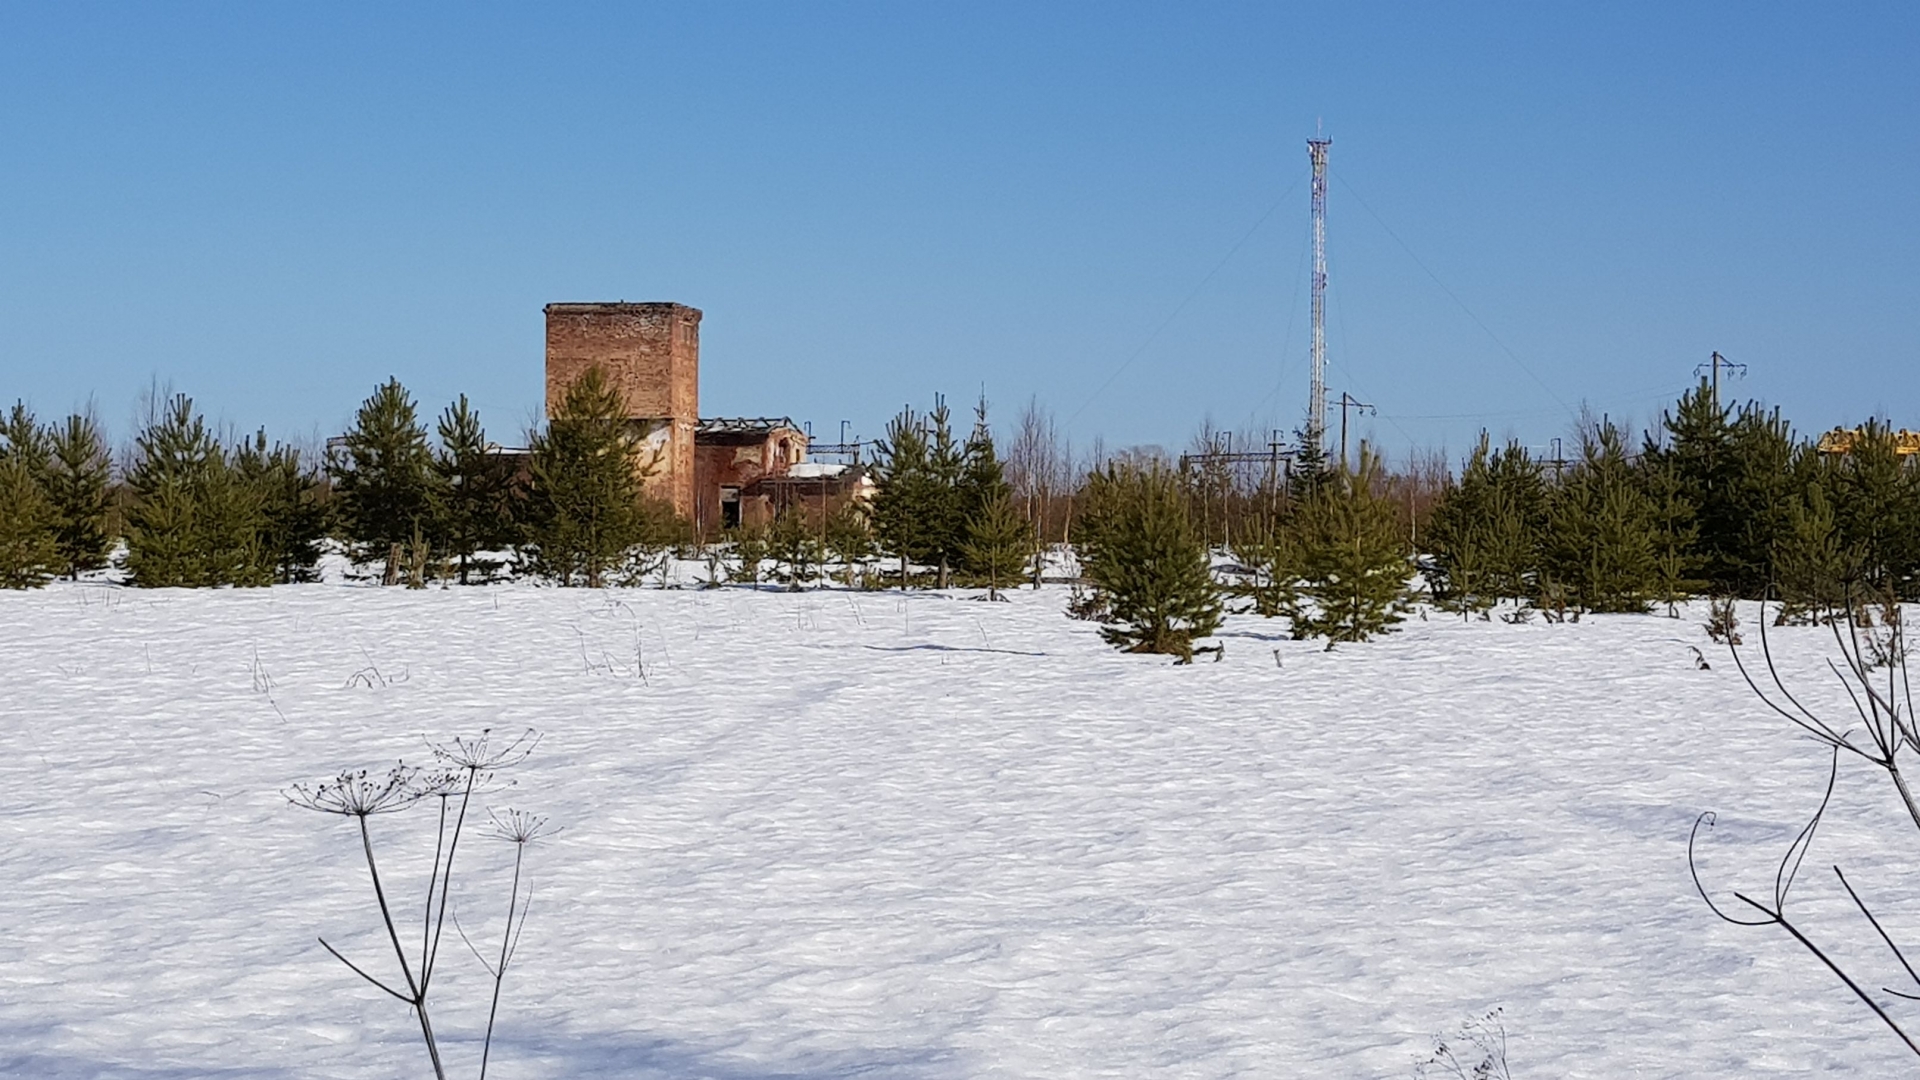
column 1104, row 206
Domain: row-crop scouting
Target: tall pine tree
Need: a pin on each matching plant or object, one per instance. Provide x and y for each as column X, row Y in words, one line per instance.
column 476, row 489
column 77, row 485
column 29, row 554
column 383, row 480
column 583, row 512
column 904, row 490
column 1603, row 530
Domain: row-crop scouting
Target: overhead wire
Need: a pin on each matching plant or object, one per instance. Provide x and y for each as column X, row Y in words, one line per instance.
column 1182, row 306
column 1451, row 295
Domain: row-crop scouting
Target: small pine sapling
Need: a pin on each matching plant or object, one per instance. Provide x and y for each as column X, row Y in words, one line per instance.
column 849, row 538
column 1812, row 562
column 749, row 551
column 1351, row 558
column 999, row 543
column 1147, row 563
column 795, row 547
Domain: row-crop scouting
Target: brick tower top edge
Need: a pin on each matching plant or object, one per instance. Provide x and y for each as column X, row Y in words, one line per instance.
column 650, row 351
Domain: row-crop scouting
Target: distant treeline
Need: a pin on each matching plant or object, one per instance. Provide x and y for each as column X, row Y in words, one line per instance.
column 1721, row 500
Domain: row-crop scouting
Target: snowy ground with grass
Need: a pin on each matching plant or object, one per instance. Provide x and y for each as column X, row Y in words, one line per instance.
column 839, row 834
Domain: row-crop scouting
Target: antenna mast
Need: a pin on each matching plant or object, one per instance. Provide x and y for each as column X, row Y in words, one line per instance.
column 1317, row 404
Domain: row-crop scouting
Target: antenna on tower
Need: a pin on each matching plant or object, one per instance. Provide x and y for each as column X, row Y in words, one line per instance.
column 1317, row 402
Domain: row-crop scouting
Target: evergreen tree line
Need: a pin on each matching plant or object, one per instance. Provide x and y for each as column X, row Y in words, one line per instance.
column 193, row 510
column 1715, row 500
column 1722, row 501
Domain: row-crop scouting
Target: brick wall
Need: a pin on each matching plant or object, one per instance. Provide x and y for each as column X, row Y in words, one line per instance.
column 651, row 353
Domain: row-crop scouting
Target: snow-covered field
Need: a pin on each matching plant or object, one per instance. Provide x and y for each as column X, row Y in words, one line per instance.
column 836, row 834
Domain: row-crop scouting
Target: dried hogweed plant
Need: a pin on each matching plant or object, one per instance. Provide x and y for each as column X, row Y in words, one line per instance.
column 465, row 768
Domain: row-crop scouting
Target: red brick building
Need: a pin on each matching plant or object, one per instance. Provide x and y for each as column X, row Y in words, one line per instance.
column 717, row 473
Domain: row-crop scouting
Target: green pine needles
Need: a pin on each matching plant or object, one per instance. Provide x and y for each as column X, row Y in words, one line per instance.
column 1141, row 551
column 384, row 481
column 934, row 494
column 30, row 523
column 1347, row 554
column 584, row 514
column 194, row 520
column 476, row 492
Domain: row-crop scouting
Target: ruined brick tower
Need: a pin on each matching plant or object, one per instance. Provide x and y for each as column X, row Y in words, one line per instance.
column 651, row 354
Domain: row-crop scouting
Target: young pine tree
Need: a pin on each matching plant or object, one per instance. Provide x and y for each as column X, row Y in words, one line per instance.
column 904, row 490
column 1762, row 482
column 1350, row 555
column 1677, row 566
column 29, row 553
column 999, row 543
column 192, row 522
column 1696, row 464
column 849, row 537
column 77, row 478
column 293, row 508
column 982, row 484
column 1486, row 533
column 1309, row 467
column 749, row 551
column 1141, row 552
column 384, row 484
column 475, row 508
column 25, row 441
column 1603, row 531
column 583, row 511
column 1813, row 565
column 944, row 503
column 795, row 547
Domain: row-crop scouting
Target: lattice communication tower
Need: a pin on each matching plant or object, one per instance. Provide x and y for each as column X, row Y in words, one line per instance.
column 1317, row 403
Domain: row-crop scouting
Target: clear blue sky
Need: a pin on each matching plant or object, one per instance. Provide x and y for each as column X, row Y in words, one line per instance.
column 275, row 206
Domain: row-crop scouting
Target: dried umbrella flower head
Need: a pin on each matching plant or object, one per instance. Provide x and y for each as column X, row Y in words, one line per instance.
column 360, row 793
column 440, row 783
column 519, row 826
column 479, row 754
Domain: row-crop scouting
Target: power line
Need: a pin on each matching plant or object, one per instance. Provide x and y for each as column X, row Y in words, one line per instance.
column 1168, row 321
column 1477, row 321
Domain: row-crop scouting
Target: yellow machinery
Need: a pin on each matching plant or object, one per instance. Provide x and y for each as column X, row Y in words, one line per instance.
column 1841, row 440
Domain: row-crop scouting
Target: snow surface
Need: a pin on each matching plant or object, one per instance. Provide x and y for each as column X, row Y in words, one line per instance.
column 837, row 834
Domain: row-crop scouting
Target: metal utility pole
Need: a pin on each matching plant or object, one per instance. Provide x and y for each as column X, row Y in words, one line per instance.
column 1716, row 364
column 1348, row 401
column 1317, row 404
